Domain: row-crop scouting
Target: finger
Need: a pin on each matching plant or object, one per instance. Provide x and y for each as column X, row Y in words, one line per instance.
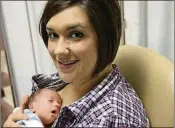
column 13, row 124
column 10, row 124
column 24, row 102
column 17, row 116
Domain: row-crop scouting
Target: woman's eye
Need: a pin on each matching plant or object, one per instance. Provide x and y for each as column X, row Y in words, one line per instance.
column 52, row 35
column 76, row 35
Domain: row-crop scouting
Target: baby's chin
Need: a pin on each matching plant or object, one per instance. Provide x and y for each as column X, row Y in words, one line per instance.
column 47, row 125
column 49, row 121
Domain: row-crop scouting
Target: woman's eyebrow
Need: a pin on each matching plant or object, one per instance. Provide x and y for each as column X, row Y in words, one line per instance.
column 49, row 29
column 69, row 27
column 73, row 26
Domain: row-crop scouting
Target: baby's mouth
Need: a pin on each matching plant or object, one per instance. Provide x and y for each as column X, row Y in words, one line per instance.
column 54, row 112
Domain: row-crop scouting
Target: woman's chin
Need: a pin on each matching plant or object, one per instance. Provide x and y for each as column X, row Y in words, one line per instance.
column 66, row 78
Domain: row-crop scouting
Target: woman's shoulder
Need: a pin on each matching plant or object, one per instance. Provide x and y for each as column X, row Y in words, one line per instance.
column 127, row 104
column 47, row 81
column 122, row 90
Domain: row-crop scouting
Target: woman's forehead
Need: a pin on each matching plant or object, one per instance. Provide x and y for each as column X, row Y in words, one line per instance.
column 68, row 18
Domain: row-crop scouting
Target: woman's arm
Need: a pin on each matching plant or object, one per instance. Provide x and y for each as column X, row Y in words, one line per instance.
column 18, row 115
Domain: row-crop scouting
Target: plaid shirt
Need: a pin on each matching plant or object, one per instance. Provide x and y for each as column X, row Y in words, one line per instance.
column 112, row 103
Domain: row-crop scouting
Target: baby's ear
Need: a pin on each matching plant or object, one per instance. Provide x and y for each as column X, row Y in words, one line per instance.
column 31, row 107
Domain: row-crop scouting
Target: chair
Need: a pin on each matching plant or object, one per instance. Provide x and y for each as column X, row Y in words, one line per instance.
column 152, row 76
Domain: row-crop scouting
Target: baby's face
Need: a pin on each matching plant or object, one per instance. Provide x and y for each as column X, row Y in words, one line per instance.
column 47, row 106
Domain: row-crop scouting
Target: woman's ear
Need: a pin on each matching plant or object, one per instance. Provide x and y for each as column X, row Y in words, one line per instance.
column 32, row 107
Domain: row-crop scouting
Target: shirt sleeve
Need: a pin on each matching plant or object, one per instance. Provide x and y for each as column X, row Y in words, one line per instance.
column 52, row 81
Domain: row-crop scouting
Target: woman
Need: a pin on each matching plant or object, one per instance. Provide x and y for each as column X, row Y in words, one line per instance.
column 83, row 36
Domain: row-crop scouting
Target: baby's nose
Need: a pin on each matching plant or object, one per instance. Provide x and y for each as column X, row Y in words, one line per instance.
column 57, row 104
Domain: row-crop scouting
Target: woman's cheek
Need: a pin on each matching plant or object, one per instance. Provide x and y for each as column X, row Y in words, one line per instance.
column 51, row 49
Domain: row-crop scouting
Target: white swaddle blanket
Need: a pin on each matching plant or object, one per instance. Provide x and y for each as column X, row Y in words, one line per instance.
column 33, row 120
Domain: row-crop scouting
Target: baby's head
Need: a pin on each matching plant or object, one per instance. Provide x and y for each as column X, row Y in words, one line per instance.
column 46, row 104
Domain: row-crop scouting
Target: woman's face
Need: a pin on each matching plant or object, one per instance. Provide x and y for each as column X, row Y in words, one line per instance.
column 72, row 44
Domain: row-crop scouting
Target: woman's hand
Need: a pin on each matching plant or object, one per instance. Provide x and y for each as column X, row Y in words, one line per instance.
column 18, row 115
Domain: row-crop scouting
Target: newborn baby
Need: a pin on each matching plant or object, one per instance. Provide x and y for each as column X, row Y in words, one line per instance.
column 44, row 106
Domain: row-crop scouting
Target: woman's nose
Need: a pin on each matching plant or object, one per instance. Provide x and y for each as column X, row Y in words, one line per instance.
column 62, row 48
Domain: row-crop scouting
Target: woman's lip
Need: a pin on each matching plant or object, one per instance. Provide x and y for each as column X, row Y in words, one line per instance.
column 66, row 66
column 67, row 61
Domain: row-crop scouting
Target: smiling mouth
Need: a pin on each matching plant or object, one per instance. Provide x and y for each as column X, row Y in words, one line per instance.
column 68, row 62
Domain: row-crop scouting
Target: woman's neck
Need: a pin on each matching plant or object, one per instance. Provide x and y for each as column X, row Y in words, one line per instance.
column 74, row 91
